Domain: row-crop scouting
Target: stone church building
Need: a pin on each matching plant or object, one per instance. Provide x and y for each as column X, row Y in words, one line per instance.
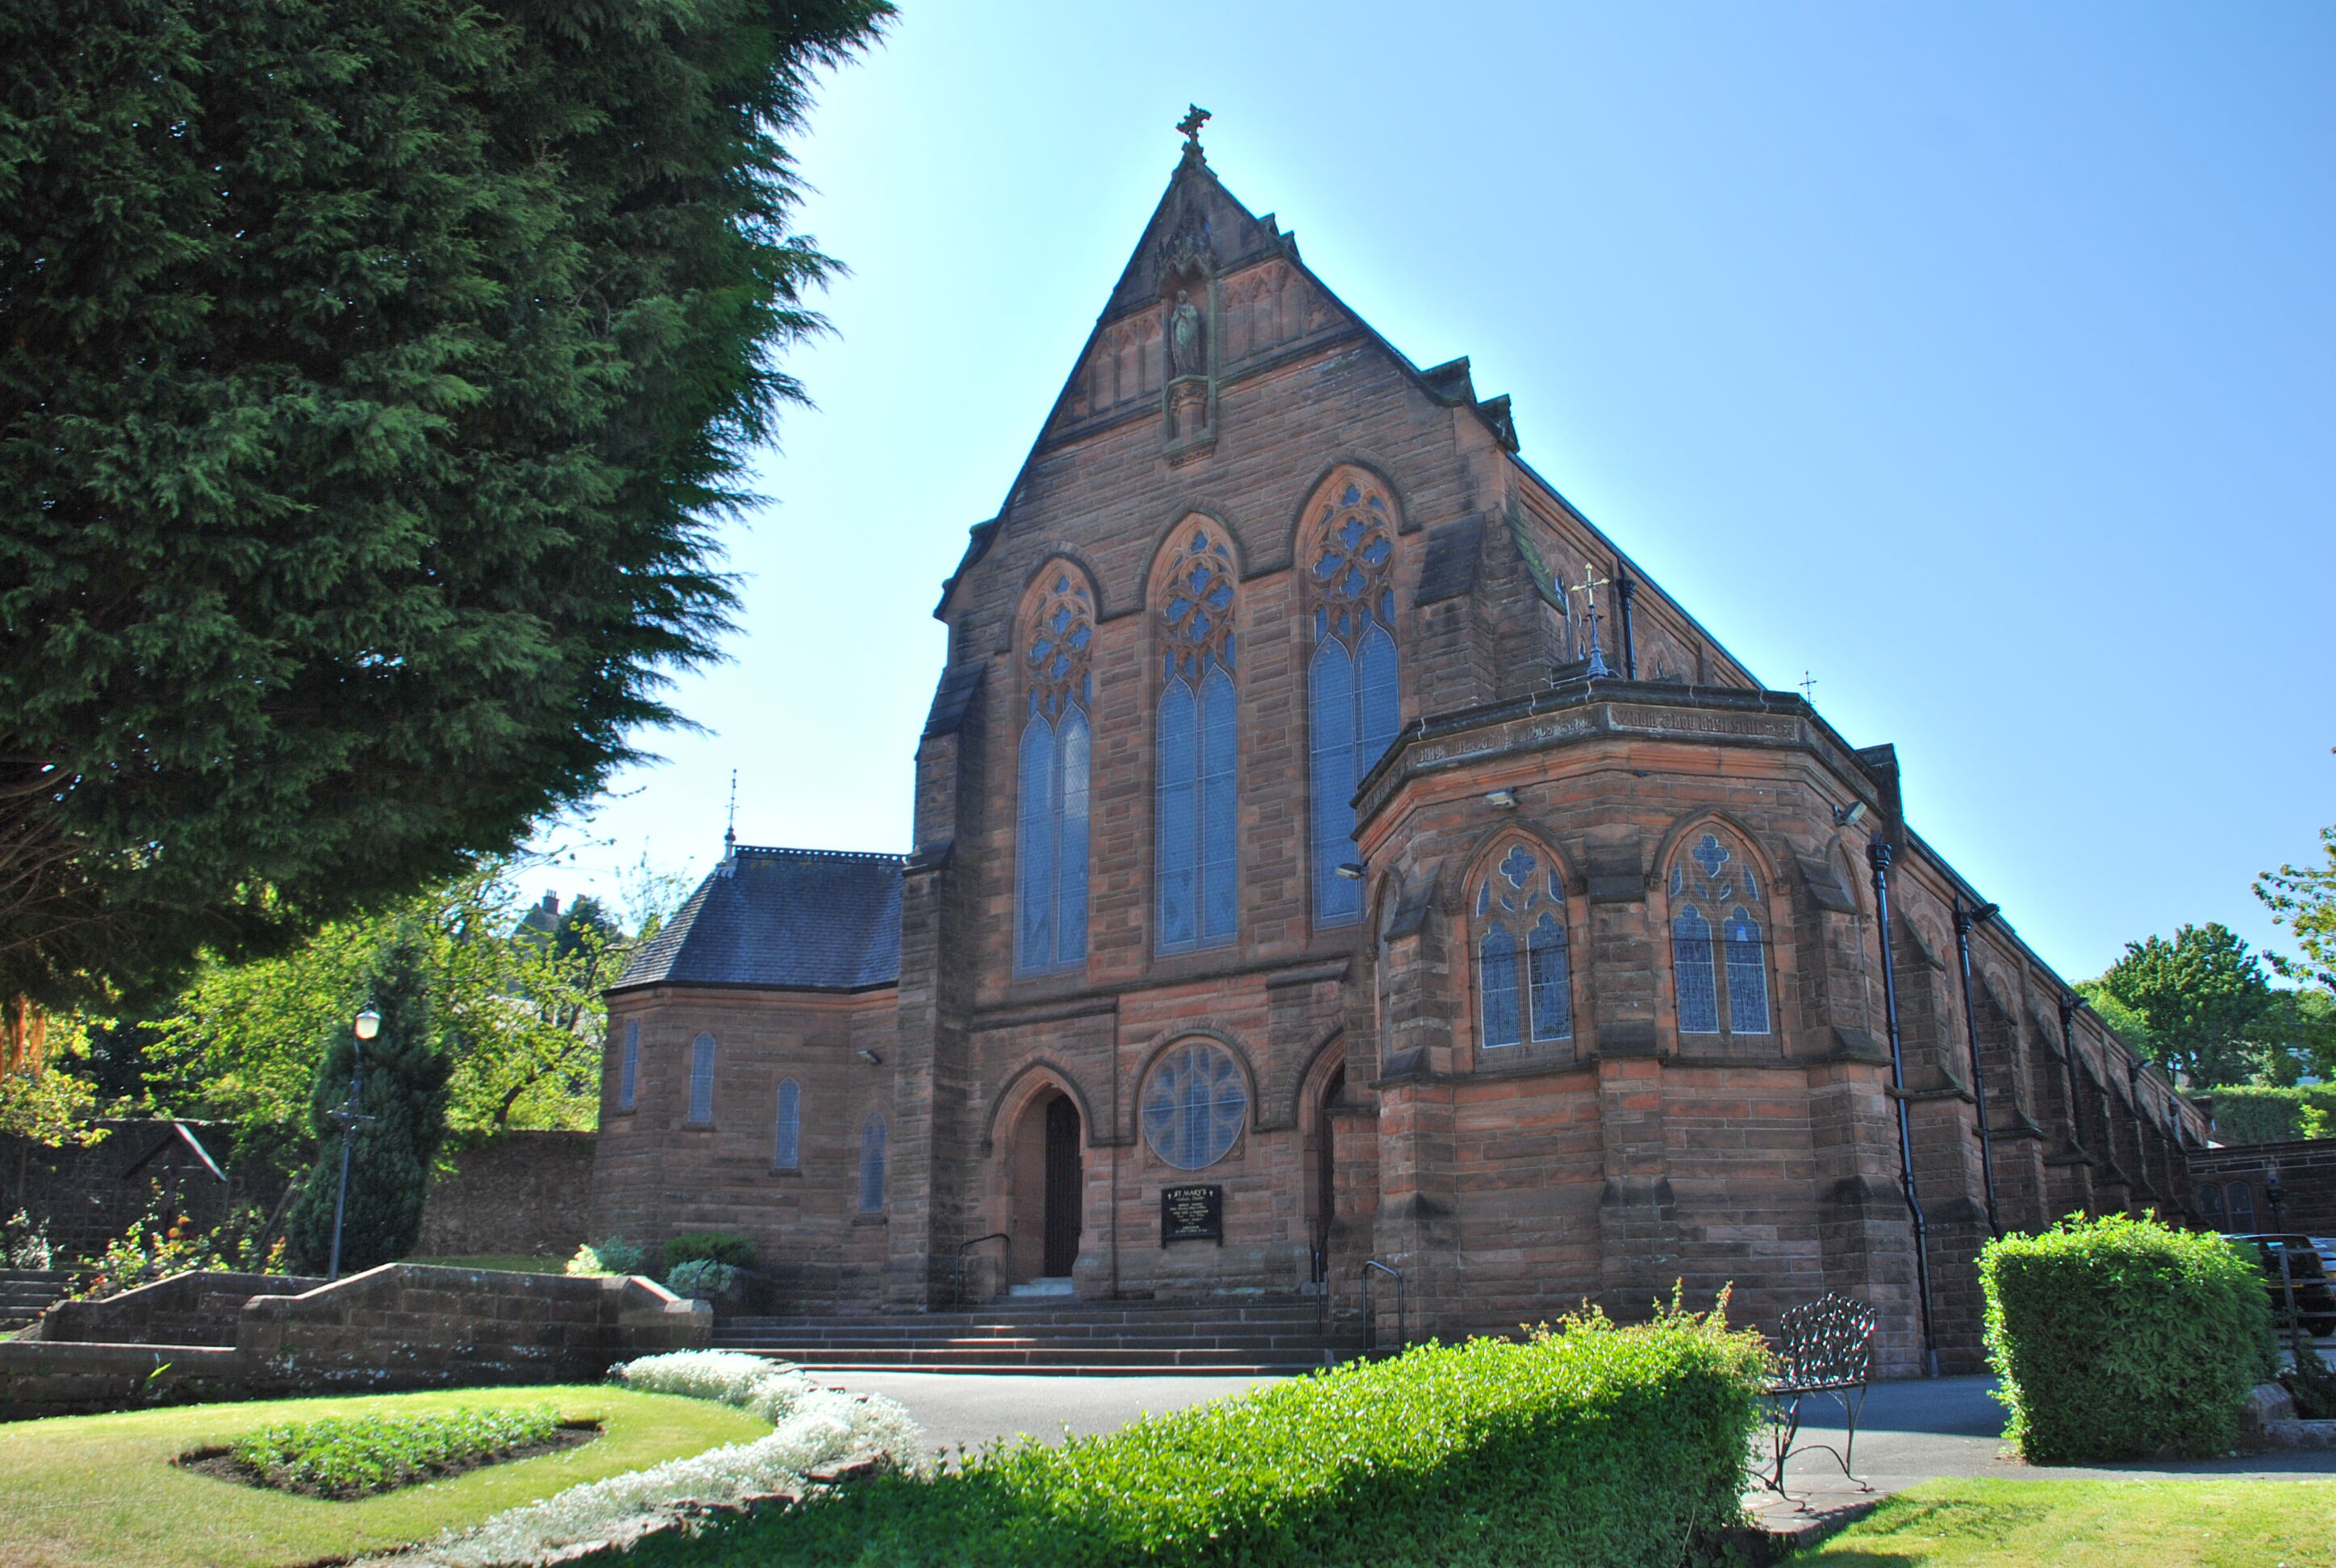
column 1330, row 847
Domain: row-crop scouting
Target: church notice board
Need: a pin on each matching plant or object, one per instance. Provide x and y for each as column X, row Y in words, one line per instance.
column 1191, row 1214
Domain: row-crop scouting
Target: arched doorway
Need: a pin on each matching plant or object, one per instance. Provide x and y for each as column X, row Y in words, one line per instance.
column 1048, row 1192
column 1322, row 1175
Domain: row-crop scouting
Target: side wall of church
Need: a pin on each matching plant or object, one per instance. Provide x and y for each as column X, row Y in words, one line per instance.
column 658, row 1173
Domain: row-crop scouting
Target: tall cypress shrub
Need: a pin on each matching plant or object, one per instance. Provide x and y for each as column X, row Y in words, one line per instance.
column 373, row 376
column 406, row 1066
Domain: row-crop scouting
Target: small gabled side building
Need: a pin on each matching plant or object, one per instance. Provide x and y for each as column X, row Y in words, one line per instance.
column 745, row 1088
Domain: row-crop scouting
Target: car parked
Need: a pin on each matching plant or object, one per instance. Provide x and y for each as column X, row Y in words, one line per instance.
column 2308, row 1276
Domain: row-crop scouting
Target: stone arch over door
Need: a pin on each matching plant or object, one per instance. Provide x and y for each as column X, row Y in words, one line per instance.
column 1041, row 1169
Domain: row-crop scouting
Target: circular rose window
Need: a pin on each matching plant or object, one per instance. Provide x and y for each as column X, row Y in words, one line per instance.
column 1194, row 1105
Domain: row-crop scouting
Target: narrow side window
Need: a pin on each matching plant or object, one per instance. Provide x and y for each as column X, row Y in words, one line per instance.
column 628, row 1068
column 872, row 1163
column 701, row 1078
column 786, row 1142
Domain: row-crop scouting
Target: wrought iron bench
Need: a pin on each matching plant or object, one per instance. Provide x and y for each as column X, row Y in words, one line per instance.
column 1826, row 1347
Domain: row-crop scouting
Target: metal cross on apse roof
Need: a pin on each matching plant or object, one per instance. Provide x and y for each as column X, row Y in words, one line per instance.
column 1588, row 589
column 1805, row 682
column 1194, row 118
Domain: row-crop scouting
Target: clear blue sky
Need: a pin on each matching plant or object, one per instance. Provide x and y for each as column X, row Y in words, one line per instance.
column 1980, row 360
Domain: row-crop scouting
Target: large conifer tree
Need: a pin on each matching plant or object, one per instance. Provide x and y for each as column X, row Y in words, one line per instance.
column 403, row 1098
column 371, row 375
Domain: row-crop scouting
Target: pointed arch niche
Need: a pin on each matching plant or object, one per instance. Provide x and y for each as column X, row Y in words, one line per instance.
column 1345, row 551
column 1196, row 756
column 1520, row 955
column 1722, row 985
column 1050, row 870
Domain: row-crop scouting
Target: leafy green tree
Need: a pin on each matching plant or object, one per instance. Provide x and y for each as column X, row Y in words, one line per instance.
column 2201, row 999
column 373, row 374
column 521, row 1017
column 407, row 1067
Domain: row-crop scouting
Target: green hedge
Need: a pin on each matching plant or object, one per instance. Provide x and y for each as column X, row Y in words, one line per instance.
column 2258, row 1114
column 2122, row 1338
column 714, row 1246
column 1596, row 1445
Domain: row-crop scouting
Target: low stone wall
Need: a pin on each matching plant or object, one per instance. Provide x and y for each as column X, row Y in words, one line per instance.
column 527, row 1191
column 399, row 1326
column 192, row 1309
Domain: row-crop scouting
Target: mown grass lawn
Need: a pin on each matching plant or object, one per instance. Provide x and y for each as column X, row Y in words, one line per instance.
column 1993, row 1523
column 82, row 1491
column 506, row 1263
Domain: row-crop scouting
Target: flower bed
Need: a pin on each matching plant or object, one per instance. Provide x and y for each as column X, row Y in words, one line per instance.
column 1596, row 1445
column 813, row 1426
column 346, row 1457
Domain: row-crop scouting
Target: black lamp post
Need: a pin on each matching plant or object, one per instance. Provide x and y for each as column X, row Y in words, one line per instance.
column 1877, row 855
column 368, row 1025
column 1966, row 919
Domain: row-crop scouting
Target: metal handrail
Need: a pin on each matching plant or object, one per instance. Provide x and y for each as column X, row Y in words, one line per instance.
column 957, row 1287
column 1322, row 1299
column 1402, row 1330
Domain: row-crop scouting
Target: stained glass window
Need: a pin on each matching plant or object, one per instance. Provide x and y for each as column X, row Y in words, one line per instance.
column 1709, row 882
column 1351, row 683
column 1198, row 751
column 1195, row 1105
column 1524, row 980
column 872, row 1134
column 628, row 1068
column 1051, row 819
column 2241, row 1206
column 787, row 1137
column 701, row 1078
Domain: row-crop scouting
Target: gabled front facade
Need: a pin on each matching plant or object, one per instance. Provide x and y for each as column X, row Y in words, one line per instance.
column 1295, row 862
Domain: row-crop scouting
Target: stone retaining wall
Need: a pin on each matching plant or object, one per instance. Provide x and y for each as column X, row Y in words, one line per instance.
column 527, row 1191
column 401, row 1326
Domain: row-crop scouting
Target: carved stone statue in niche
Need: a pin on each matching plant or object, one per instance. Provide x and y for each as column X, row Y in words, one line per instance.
column 1188, row 337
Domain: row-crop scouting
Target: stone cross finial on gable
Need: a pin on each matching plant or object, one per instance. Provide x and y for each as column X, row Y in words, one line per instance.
column 1194, row 118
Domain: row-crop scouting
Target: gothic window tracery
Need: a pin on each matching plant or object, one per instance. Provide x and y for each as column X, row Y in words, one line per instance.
column 1195, row 1105
column 1719, row 956
column 1353, row 708
column 1058, row 740
column 1525, row 969
column 1196, row 756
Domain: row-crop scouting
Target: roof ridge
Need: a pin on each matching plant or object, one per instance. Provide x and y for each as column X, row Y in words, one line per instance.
column 821, row 855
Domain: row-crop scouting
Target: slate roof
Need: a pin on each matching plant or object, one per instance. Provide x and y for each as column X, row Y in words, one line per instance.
column 783, row 920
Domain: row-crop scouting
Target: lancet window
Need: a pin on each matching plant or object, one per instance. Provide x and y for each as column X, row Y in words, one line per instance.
column 1051, row 840
column 1525, row 963
column 1197, row 761
column 628, row 1068
column 701, row 1078
column 873, row 1157
column 1352, row 704
column 786, row 1132
column 1719, row 952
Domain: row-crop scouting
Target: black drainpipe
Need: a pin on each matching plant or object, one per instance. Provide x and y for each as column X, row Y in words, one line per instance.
column 1626, row 590
column 1877, row 855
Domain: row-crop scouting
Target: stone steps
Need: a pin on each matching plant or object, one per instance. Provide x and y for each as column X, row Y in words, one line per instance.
column 27, row 1293
column 1103, row 1339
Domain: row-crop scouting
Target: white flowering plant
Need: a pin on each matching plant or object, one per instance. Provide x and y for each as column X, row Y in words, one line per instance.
column 813, row 1426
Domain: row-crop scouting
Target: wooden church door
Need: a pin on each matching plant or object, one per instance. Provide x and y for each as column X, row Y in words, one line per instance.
column 1065, row 1184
